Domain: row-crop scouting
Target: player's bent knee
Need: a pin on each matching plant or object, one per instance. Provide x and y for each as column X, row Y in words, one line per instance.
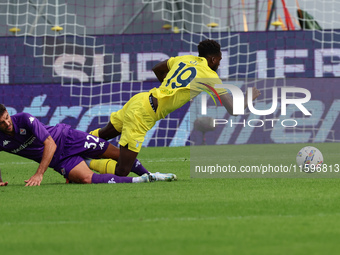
column 84, row 178
column 81, row 174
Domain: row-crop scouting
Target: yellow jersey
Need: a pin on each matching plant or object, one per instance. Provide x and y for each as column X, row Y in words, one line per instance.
column 187, row 77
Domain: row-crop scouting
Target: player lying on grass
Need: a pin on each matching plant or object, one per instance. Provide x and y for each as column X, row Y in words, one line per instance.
column 142, row 111
column 62, row 148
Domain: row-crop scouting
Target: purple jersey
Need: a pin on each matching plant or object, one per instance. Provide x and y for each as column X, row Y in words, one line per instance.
column 30, row 134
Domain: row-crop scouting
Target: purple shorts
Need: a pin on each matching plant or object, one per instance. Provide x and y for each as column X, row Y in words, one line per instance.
column 78, row 146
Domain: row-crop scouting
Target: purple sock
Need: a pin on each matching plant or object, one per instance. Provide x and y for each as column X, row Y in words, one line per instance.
column 138, row 168
column 110, row 178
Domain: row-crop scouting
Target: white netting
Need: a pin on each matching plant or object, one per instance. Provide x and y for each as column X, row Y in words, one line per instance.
column 68, row 36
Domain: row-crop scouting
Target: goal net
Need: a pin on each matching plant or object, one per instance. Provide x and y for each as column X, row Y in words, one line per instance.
column 78, row 61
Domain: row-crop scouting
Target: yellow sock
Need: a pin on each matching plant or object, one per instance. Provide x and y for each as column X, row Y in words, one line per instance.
column 95, row 132
column 103, row 166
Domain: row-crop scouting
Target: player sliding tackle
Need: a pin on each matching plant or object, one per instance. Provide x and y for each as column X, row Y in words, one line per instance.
column 62, row 148
column 142, row 111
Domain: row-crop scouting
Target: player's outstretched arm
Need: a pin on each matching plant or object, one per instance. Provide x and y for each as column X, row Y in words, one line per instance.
column 227, row 100
column 49, row 150
column 161, row 70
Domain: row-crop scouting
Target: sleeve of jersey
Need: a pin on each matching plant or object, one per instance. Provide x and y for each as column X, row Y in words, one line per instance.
column 36, row 127
column 208, row 85
column 219, row 91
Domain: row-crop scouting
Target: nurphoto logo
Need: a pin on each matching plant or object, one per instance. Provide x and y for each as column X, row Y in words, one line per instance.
column 239, row 102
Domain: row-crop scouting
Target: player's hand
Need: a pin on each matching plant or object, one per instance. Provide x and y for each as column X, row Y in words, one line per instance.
column 3, row 183
column 256, row 93
column 35, row 180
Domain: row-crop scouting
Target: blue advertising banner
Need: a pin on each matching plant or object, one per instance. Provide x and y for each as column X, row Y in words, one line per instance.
column 76, row 79
column 291, row 54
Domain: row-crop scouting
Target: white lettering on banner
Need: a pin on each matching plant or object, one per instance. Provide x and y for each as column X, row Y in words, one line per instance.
column 60, row 70
column 321, row 68
column 143, row 73
column 98, row 64
column 125, row 67
column 4, row 70
column 63, row 64
column 281, row 68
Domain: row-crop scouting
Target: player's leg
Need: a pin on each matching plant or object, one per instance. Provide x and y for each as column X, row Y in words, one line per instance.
column 125, row 119
column 79, row 145
column 107, row 165
column 104, row 166
column 112, row 152
column 125, row 161
column 138, row 119
column 114, row 127
column 82, row 174
column 108, row 132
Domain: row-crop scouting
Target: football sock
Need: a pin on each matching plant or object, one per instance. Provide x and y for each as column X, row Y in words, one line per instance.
column 138, row 168
column 95, row 132
column 110, row 178
column 103, row 166
column 108, row 166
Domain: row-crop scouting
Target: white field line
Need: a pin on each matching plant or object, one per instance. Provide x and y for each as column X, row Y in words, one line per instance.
column 183, row 219
column 165, row 159
column 18, row 163
column 146, row 160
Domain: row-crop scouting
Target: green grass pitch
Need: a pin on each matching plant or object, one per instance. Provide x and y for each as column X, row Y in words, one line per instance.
column 190, row 216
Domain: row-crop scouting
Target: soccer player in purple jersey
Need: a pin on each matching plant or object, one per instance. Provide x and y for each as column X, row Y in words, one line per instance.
column 61, row 148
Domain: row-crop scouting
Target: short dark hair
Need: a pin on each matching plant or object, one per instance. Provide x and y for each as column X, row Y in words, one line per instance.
column 208, row 47
column 2, row 109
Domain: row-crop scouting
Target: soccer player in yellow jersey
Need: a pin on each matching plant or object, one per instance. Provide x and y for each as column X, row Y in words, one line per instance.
column 142, row 111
